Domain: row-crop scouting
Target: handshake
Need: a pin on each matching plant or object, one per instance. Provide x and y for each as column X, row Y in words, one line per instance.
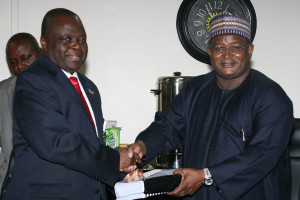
column 131, row 156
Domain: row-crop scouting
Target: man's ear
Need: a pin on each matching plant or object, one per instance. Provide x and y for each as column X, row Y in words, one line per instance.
column 44, row 44
column 40, row 51
column 250, row 50
column 208, row 51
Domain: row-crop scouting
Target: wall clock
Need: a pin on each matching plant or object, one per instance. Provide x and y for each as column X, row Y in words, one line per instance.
column 193, row 22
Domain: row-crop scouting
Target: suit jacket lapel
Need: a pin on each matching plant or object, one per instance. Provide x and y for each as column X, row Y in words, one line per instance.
column 61, row 78
column 93, row 101
column 70, row 89
column 67, row 86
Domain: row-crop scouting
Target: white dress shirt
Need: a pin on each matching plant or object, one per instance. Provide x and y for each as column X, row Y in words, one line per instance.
column 84, row 95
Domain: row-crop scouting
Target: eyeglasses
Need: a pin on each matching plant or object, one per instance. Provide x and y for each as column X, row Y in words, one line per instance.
column 232, row 50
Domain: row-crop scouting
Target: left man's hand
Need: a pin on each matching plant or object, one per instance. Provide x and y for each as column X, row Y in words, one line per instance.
column 134, row 176
column 127, row 164
column 191, row 181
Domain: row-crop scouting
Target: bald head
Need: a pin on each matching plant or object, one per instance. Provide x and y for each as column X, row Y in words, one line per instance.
column 51, row 15
column 22, row 49
column 24, row 38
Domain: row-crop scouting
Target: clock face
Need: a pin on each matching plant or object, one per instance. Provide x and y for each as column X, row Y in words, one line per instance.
column 193, row 22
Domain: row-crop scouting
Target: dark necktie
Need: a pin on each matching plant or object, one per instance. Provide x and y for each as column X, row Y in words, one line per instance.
column 74, row 81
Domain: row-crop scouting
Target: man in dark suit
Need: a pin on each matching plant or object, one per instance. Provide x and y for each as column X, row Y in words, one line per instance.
column 59, row 148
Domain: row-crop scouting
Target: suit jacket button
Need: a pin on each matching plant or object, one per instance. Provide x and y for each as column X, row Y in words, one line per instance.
column 97, row 191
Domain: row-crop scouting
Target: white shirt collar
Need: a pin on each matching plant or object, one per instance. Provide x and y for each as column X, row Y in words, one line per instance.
column 69, row 74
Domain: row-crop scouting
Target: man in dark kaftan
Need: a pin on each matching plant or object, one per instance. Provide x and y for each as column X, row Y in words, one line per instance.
column 234, row 122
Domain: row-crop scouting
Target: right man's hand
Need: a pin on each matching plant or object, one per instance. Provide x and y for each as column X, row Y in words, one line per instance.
column 191, row 181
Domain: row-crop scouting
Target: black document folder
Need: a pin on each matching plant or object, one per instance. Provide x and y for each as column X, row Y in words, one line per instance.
column 161, row 184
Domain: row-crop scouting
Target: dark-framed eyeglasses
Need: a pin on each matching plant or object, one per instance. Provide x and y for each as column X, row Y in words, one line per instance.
column 232, row 50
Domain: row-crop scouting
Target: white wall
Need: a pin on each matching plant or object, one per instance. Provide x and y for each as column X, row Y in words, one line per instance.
column 133, row 42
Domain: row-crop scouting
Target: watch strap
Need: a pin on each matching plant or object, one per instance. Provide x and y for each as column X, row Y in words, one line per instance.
column 207, row 173
column 208, row 180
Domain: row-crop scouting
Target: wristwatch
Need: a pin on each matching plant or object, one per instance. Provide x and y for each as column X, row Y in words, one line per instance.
column 208, row 181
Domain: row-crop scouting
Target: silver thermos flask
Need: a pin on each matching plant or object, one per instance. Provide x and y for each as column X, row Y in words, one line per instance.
column 167, row 88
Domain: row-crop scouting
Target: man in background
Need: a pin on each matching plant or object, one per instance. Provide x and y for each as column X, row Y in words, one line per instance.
column 22, row 49
column 235, row 124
